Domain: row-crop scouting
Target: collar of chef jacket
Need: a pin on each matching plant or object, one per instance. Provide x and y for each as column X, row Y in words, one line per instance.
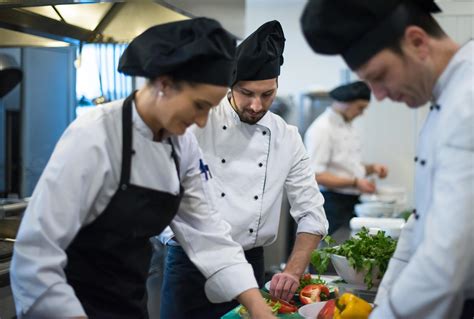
column 265, row 121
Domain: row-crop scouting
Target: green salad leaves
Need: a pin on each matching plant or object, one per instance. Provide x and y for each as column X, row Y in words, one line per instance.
column 364, row 252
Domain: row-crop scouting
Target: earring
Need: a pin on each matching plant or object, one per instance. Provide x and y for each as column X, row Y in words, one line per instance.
column 161, row 94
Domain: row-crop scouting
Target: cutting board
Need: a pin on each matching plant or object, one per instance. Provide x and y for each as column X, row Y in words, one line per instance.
column 234, row 315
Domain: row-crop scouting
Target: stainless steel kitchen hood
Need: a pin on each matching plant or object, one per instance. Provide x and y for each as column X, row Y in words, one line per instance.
column 63, row 22
column 68, row 22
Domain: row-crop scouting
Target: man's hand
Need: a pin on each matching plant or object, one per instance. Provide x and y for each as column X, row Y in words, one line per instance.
column 380, row 170
column 284, row 285
column 365, row 186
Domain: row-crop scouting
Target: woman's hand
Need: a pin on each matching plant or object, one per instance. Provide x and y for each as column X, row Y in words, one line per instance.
column 255, row 304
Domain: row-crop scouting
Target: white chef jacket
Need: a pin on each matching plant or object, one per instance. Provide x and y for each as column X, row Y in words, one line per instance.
column 251, row 165
column 432, row 270
column 334, row 146
column 76, row 186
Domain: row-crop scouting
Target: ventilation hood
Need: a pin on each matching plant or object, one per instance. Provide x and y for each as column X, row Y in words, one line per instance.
column 74, row 22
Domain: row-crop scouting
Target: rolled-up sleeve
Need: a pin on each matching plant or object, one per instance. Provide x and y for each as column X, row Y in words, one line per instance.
column 206, row 237
column 303, row 194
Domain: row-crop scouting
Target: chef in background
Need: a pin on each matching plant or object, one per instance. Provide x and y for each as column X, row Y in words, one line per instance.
column 334, row 147
column 253, row 156
column 123, row 172
column 403, row 54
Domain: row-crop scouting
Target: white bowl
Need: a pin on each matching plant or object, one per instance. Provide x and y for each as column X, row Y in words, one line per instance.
column 374, row 209
column 373, row 198
column 393, row 192
column 391, row 226
column 349, row 274
column 311, row 310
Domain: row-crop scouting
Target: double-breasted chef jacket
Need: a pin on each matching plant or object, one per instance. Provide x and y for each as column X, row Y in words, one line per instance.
column 251, row 166
column 78, row 185
column 434, row 259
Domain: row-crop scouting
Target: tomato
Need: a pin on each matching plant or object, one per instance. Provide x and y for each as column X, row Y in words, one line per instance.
column 306, row 276
column 328, row 310
column 313, row 293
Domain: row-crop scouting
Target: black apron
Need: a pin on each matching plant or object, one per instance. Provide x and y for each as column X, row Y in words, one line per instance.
column 108, row 261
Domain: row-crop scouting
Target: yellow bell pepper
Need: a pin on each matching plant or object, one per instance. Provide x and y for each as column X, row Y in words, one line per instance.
column 349, row 306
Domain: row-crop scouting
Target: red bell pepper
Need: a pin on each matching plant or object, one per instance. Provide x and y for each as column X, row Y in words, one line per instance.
column 285, row 307
column 314, row 293
column 328, row 310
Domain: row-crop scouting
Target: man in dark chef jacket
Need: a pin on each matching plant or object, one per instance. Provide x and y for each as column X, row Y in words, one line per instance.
column 335, row 150
column 253, row 156
column 399, row 49
column 119, row 175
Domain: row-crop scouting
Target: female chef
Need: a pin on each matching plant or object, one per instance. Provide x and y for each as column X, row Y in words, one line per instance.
column 119, row 175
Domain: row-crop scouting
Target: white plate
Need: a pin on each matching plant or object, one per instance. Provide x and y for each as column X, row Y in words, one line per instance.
column 311, row 310
column 328, row 280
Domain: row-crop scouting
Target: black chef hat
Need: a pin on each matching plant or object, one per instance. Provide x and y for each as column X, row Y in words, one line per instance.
column 357, row 29
column 351, row 92
column 260, row 55
column 197, row 50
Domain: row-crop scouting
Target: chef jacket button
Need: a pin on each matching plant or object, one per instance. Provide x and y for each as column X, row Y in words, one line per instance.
column 222, row 194
column 255, row 197
column 224, row 127
column 123, row 187
column 251, row 230
column 223, row 161
column 264, row 132
column 416, row 159
column 416, row 215
column 422, row 162
column 133, row 152
column 260, row 164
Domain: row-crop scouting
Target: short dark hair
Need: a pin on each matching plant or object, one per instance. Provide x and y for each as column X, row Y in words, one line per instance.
column 414, row 15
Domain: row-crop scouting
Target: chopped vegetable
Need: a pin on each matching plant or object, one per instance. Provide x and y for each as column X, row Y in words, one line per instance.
column 307, row 279
column 364, row 252
column 314, row 293
column 286, row 307
column 243, row 312
column 278, row 306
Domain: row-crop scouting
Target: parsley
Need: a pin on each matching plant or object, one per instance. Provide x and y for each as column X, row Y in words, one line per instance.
column 364, row 252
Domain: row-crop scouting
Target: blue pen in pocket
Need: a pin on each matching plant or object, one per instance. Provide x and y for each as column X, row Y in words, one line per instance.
column 204, row 168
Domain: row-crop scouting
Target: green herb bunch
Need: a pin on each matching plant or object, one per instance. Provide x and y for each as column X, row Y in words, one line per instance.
column 364, row 252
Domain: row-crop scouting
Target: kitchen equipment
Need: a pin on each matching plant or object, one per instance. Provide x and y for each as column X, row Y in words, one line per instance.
column 10, row 74
column 388, row 195
column 6, row 251
column 374, row 209
column 391, row 226
column 12, row 207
